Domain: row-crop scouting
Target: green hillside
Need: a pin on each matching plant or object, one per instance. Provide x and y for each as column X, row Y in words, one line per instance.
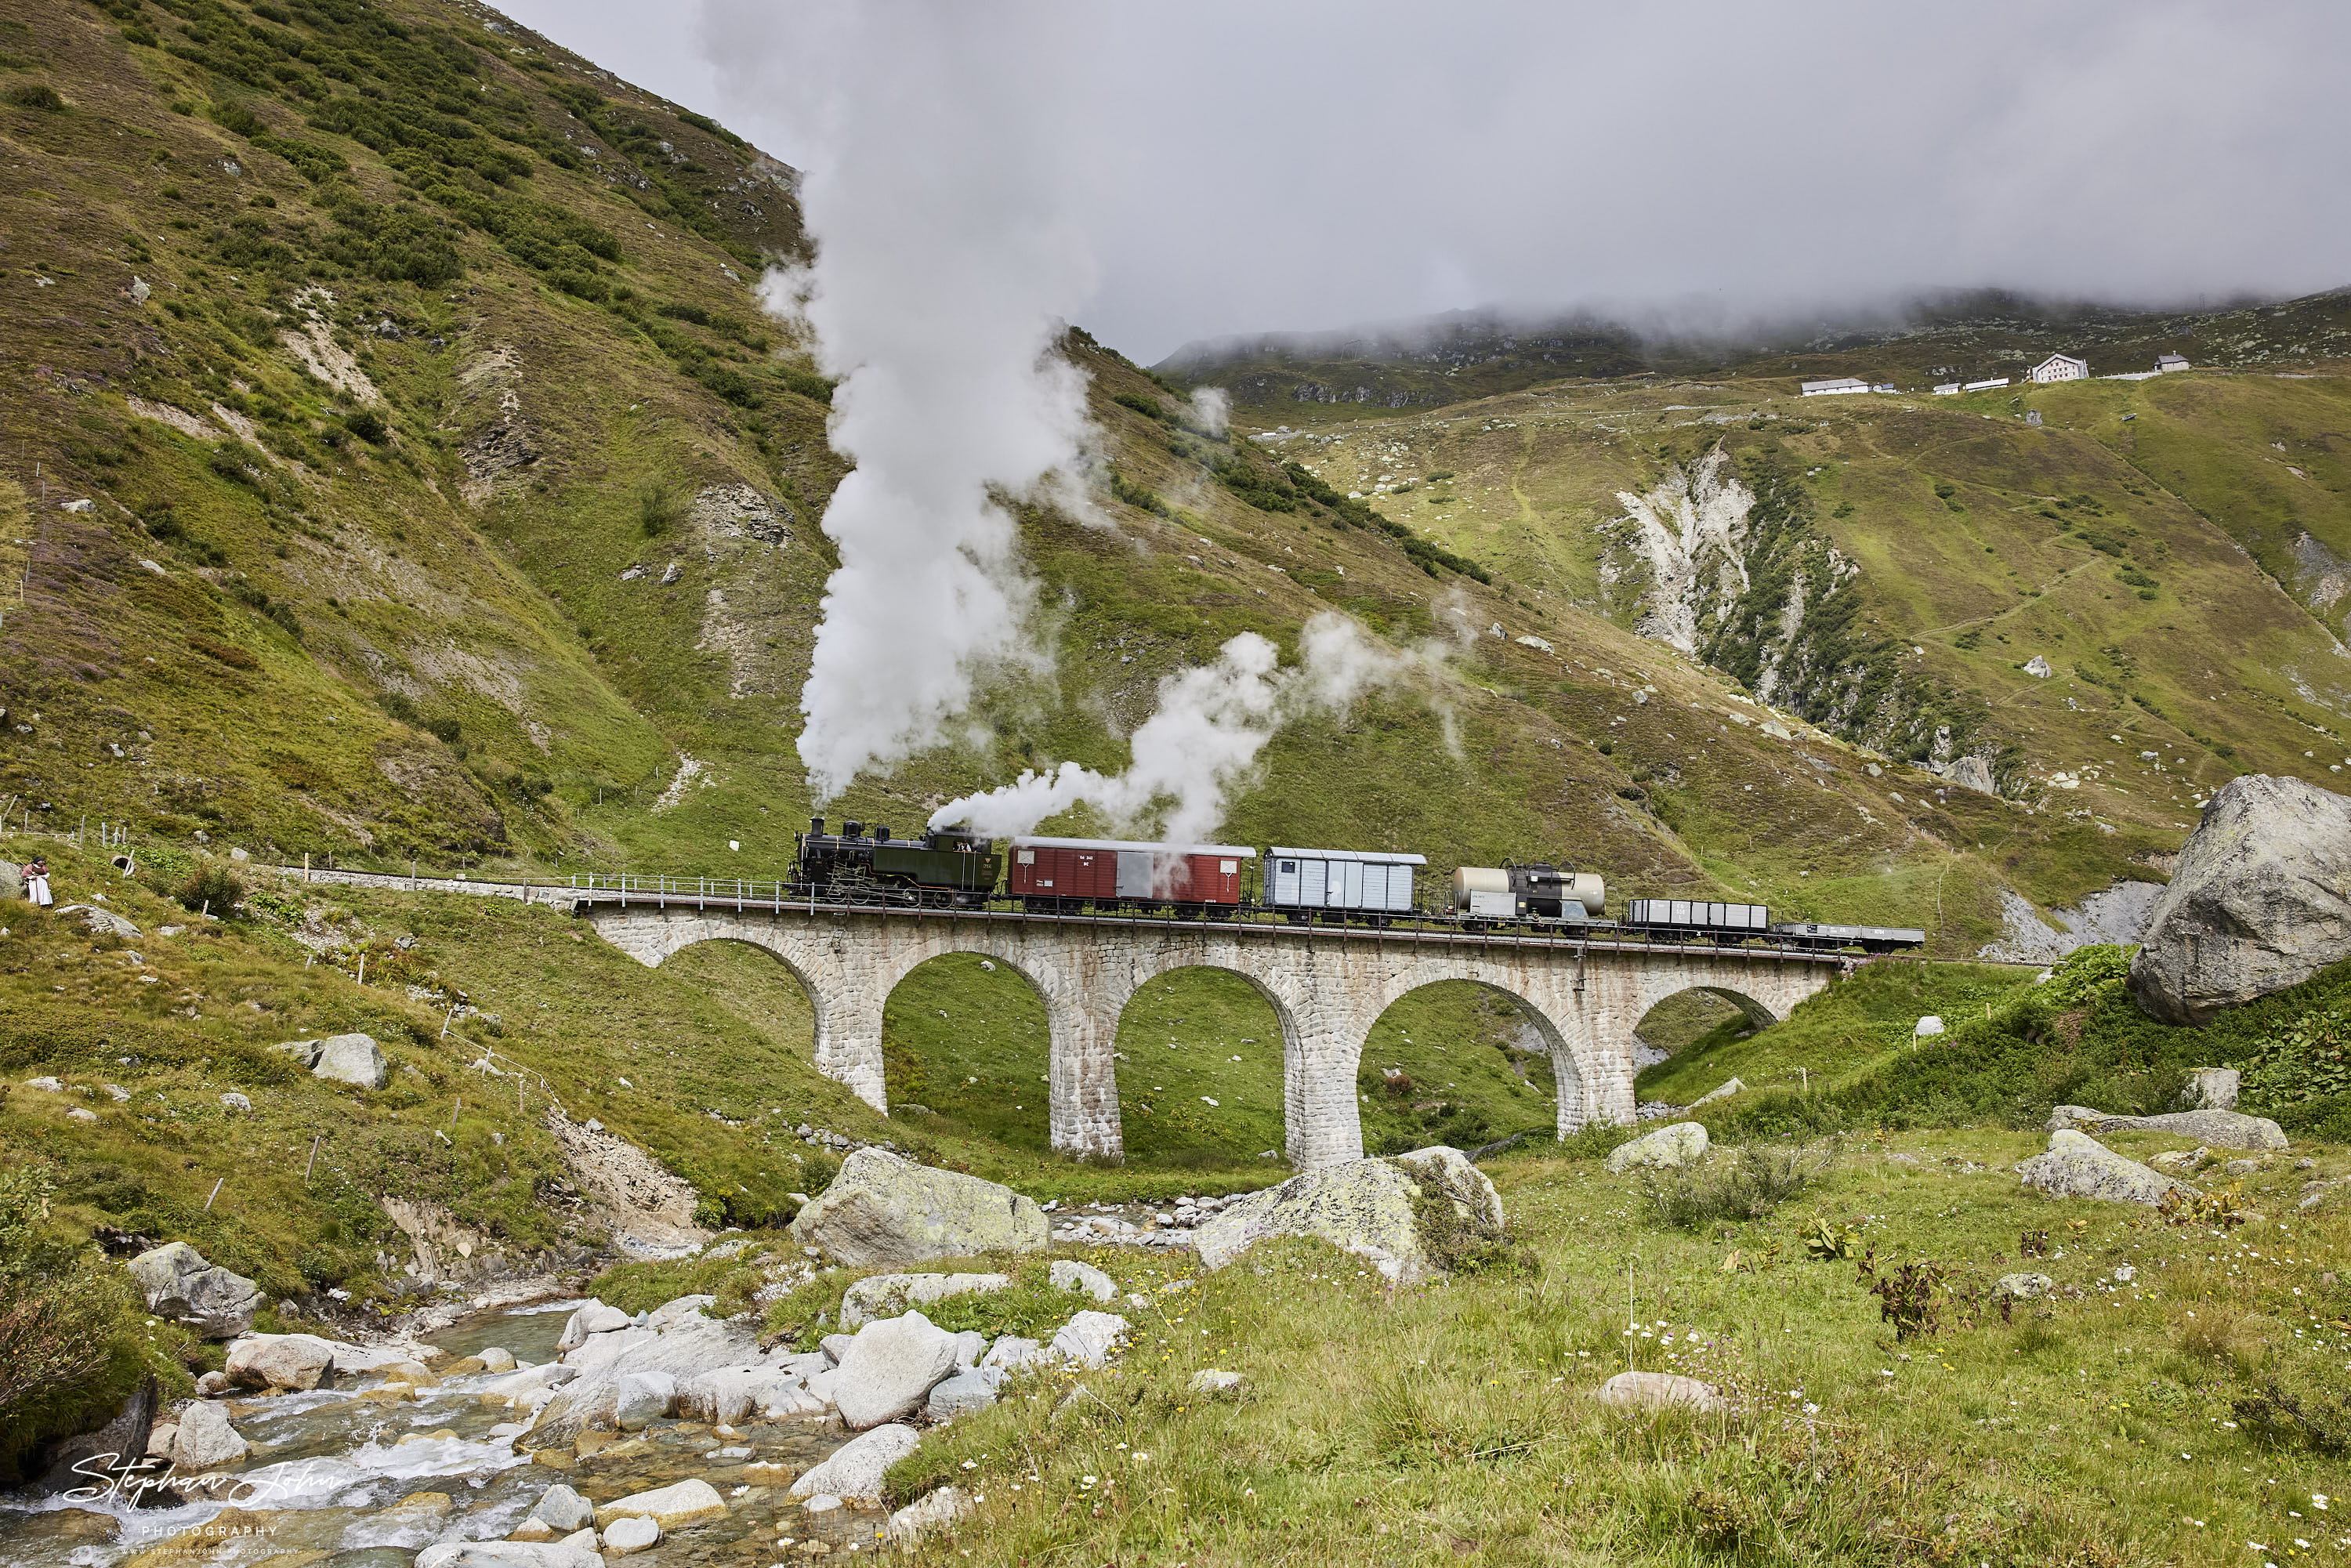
column 399, row 470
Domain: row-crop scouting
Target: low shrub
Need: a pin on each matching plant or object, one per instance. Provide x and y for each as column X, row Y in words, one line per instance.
column 2309, row 1414
column 211, row 890
column 1695, row 1198
column 1907, row 1297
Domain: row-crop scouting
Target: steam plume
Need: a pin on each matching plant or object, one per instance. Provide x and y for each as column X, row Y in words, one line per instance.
column 939, row 187
column 1204, row 740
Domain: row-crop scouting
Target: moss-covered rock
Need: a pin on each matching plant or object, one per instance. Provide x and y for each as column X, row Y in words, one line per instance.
column 884, row 1209
column 1407, row 1215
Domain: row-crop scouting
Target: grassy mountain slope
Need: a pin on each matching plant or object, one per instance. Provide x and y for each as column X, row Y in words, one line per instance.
column 2153, row 561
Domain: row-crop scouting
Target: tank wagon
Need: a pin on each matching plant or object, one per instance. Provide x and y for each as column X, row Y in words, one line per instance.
column 1537, row 891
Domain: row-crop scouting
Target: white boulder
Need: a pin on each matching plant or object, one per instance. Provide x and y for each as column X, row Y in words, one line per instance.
column 854, row 1471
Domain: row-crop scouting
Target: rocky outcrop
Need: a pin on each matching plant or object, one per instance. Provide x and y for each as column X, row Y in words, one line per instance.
column 2229, row 1129
column 1373, row 1208
column 1684, row 1143
column 685, row 1348
column 882, row 1210
column 181, row 1285
column 2077, row 1166
column 2262, row 900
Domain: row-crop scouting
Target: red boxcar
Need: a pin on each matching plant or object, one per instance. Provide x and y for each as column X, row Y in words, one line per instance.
column 1109, row 870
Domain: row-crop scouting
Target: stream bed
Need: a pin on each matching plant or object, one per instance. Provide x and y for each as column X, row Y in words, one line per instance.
column 347, row 1478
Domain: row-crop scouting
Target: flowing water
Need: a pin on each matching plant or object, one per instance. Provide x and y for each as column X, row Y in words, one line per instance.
column 351, row 1483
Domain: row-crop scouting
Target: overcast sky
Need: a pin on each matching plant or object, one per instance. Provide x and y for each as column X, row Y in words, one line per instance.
column 1226, row 168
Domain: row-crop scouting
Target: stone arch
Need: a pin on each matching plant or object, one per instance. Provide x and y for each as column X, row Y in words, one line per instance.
column 999, row 1025
column 1437, row 1061
column 1280, row 1038
column 767, row 954
column 1552, row 1013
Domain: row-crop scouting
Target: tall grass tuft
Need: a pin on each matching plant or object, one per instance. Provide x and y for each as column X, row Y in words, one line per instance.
column 1695, row 1198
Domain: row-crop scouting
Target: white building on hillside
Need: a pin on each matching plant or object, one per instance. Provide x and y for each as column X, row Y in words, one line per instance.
column 1831, row 389
column 2061, row 368
column 1985, row 386
column 1947, row 390
column 2170, row 363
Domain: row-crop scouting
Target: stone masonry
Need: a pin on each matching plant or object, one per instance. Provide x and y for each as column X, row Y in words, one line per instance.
column 1327, row 987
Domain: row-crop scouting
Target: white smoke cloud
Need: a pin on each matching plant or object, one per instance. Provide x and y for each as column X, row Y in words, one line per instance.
column 1212, row 408
column 1204, row 740
column 942, row 178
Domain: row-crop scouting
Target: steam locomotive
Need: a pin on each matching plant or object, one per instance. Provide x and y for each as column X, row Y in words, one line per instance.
column 955, row 868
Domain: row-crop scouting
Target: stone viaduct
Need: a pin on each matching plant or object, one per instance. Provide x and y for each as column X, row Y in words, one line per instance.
column 1327, row 986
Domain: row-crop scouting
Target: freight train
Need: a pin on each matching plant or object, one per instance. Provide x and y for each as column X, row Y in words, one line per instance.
column 955, row 868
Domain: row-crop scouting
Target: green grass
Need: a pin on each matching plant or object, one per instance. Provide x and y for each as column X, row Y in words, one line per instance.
column 1858, row 1021
column 1457, row 1422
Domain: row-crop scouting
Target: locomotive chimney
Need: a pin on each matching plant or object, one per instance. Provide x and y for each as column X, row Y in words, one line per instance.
column 816, row 826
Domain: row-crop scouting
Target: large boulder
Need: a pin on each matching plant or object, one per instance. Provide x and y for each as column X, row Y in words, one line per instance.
column 182, row 1286
column 2260, row 901
column 854, row 1471
column 354, row 1059
column 206, row 1441
column 2229, row 1129
column 1684, row 1143
column 890, row 1368
column 1373, row 1208
column 2077, row 1166
column 887, row 1295
column 883, row 1209
column 281, row 1362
